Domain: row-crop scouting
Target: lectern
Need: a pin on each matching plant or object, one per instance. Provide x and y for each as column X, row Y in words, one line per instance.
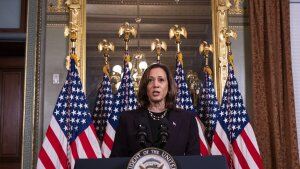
column 182, row 162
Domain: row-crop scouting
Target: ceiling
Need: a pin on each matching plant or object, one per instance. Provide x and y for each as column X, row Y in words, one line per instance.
column 104, row 17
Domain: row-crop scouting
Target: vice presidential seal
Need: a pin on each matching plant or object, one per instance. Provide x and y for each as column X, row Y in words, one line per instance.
column 152, row 158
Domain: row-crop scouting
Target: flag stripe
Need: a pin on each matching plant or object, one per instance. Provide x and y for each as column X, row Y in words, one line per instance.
column 203, row 145
column 241, row 158
column 105, row 150
column 40, row 164
column 108, row 141
column 80, row 144
column 203, row 149
column 45, row 160
column 221, row 143
column 253, row 151
column 53, row 148
column 86, row 145
column 239, row 147
column 249, row 131
column 221, row 148
column 74, row 150
column 54, row 143
column 92, row 137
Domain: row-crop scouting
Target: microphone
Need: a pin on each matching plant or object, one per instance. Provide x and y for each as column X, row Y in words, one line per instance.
column 163, row 133
column 142, row 135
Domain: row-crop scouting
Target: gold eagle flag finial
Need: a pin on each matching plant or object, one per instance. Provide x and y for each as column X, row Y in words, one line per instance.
column 106, row 46
column 159, row 47
column 176, row 31
column 127, row 31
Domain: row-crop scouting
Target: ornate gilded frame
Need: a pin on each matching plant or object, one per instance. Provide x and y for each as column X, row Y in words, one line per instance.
column 220, row 9
column 34, row 71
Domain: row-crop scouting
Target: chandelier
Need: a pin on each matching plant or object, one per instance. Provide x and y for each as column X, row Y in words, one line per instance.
column 137, row 65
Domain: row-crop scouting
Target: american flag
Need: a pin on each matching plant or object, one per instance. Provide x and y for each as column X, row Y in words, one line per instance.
column 71, row 134
column 124, row 100
column 103, row 106
column 184, row 101
column 183, row 98
column 209, row 106
column 234, row 136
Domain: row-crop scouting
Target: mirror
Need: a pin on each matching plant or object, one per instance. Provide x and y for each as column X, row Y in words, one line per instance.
column 104, row 18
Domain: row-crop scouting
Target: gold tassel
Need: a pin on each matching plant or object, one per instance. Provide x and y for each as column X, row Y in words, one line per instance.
column 106, row 70
column 179, row 57
column 76, row 59
column 127, row 58
column 208, row 70
column 231, row 61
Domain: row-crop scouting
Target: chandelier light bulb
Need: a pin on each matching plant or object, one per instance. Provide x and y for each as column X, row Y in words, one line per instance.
column 143, row 65
column 117, row 68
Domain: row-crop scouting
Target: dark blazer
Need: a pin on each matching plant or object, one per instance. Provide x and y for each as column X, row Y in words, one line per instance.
column 182, row 128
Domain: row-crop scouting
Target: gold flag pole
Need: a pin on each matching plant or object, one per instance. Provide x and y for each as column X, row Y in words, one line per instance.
column 106, row 47
column 127, row 31
column 72, row 31
column 159, row 47
column 225, row 35
column 205, row 48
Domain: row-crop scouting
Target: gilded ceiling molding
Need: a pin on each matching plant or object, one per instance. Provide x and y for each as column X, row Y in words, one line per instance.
column 220, row 22
column 161, row 2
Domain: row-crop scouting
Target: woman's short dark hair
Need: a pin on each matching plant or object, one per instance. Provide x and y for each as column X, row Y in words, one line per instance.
column 142, row 96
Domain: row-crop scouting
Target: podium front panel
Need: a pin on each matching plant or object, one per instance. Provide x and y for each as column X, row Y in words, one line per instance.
column 182, row 162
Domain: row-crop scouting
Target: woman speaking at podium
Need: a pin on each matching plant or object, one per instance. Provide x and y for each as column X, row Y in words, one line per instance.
column 156, row 123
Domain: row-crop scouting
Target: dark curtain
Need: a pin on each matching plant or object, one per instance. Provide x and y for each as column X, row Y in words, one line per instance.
column 274, row 118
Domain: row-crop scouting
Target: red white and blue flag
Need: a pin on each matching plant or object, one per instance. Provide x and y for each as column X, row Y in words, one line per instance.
column 124, row 100
column 234, row 137
column 208, row 105
column 184, row 101
column 71, row 134
column 103, row 106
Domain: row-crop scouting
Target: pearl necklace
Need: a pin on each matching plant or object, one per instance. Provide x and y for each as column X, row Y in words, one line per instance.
column 157, row 117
